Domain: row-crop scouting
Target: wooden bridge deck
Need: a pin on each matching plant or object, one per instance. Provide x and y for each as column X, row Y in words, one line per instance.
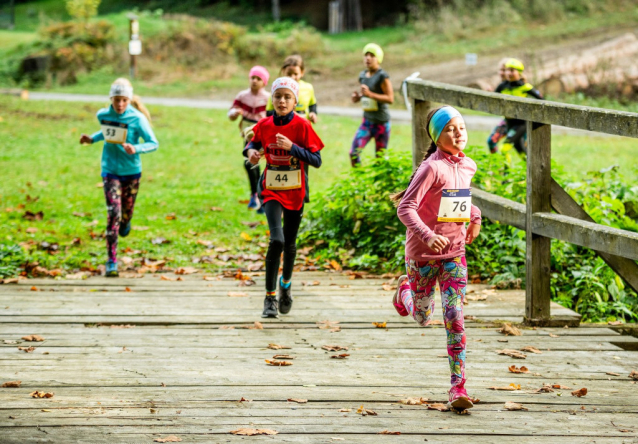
column 175, row 358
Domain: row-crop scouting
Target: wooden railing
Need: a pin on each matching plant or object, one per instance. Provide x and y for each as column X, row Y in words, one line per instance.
column 570, row 223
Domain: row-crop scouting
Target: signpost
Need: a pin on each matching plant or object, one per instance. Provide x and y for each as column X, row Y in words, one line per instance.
column 134, row 44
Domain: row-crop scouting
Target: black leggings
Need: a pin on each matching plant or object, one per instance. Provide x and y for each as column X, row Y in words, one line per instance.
column 253, row 175
column 281, row 239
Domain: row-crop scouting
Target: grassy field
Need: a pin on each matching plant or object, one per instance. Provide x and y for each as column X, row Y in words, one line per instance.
column 198, row 166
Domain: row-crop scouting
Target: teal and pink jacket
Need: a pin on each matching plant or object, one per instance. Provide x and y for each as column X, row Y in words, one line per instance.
column 419, row 208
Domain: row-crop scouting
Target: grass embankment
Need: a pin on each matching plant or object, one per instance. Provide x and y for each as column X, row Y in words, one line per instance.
column 198, row 166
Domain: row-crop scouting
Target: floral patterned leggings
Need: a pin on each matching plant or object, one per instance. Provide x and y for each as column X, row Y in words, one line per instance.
column 366, row 131
column 120, row 200
column 419, row 301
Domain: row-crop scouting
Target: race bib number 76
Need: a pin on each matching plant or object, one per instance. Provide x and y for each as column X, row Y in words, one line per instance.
column 455, row 206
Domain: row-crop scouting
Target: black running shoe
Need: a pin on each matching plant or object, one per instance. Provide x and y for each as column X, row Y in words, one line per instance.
column 270, row 307
column 285, row 299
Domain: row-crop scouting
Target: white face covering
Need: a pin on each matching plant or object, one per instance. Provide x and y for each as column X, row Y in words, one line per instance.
column 118, row 89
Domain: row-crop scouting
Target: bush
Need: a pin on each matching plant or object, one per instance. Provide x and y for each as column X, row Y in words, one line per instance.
column 355, row 222
column 280, row 42
column 11, row 259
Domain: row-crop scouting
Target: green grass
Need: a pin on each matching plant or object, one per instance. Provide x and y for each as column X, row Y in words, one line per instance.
column 198, row 166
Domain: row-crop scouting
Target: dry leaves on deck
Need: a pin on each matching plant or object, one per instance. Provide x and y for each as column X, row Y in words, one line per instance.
column 33, row 338
column 253, row 432
column 277, row 347
column 413, row 401
column 510, row 388
column 580, row 392
column 380, row 324
column 283, row 357
column 512, row 353
column 329, row 325
column 310, row 284
column 187, row 270
column 514, row 406
column 38, row 394
column 437, row 322
column 515, row 369
column 256, row 326
column 438, row 406
column 546, row 388
column 633, row 375
column 278, row 363
column 366, row 412
column 167, row 278
column 237, row 294
column 333, row 348
column 529, row 348
column 26, row 349
column 509, row 330
column 298, row 401
column 171, row 438
column 12, row 384
column 341, row 356
column 387, row 432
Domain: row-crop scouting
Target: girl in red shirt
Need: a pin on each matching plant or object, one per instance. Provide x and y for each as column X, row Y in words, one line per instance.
column 288, row 142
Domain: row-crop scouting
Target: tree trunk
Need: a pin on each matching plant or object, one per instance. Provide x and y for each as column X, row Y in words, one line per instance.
column 276, row 10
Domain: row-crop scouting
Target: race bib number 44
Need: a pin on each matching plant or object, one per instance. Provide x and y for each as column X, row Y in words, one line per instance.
column 114, row 132
column 456, row 206
column 282, row 179
column 369, row 104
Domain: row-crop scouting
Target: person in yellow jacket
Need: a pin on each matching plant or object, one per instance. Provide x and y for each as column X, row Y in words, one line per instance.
column 294, row 68
column 516, row 85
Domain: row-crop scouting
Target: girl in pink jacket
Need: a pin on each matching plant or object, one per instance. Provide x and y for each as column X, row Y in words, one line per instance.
column 435, row 208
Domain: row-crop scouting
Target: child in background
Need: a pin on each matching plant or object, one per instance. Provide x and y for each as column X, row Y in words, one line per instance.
column 250, row 104
column 375, row 95
column 500, row 130
column 516, row 86
column 288, row 142
column 434, row 208
column 123, row 123
column 294, row 68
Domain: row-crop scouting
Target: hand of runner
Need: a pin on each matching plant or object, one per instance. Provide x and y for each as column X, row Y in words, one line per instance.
column 355, row 97
column 365, row 90
column 86, row 139
column 253, row 156
column 473, row 231
column 312, row 117
column 130, row 149
column 438, row 242
column 283, row 142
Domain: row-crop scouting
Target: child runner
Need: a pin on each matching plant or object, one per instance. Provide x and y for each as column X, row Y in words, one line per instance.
column 123, row 123
column 288, row 143
column 434, row 208
column 500, row 130
column 375, row 95
column 516, row 86
column 250, row 104
column 294, row 68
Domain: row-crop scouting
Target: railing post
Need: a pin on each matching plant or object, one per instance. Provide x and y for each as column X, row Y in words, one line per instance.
column 538, row 255
column 420, row 137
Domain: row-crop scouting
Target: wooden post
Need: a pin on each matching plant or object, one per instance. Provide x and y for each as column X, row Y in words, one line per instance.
column 420, row 137
column 538, row 255
column 276, row 10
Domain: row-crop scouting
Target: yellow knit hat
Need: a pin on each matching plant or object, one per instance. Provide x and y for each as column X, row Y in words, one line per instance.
column 374, row 49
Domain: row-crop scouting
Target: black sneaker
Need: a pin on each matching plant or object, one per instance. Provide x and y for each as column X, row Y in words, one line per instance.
column 270, row 307
column 285, row 299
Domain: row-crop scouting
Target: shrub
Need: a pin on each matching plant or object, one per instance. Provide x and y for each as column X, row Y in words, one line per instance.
column 11, row 259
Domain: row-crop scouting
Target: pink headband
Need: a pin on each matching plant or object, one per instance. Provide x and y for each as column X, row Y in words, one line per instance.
column 288, row 83
column 260, row 72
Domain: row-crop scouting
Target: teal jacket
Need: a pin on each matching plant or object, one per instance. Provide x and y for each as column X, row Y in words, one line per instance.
column 115, row 160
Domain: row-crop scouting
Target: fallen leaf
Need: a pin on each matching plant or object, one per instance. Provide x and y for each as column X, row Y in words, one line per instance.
column 283, row 357
column 366, row 412
column 341, row 356
column 580, row 392
column 186, row 270
column 237, row 294
column 514, row 369
column 334, row 264
column 171, row 216
column 277, row 347
column 512, row 353
column 438, row 406
column 99, row 185
column 509, row 330
column 33, row 338
column 28, row 215
column 258, row 325
column 510, row 388
column 380, row 324
column 386, row 287
column 216, row 209
column 633, row 375
column 387, row 432
column 245, row 400
column 310, row 284
column 345, row 410
column 245, row 236
column 38, row 394
column 617, row 374
column 171, row 438
column 167, row 278
column 478, row 297
column 278, row 363
column 77, row 276
column 560, row 387
column 298, row 401
column 333, row 348
column 14, row 384
column 413, row 401
column 545, row 389
column 34, row 288
column 437, row 322
column 551, row 335
column 253, row 432
column 326, row 325
column 529, row 348
column 160, row 241
column 514, row 406
column 26, row 349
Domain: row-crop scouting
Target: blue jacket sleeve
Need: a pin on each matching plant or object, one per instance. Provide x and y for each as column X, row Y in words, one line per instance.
column 146, row 133
column 305, row 155
column 97, row 137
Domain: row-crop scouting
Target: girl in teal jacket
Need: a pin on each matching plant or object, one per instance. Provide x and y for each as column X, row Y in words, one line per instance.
column 123, row 124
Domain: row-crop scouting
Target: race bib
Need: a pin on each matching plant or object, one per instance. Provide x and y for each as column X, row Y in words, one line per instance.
column 369, row 104
column 282, row 177
column 114, row 132
column 455, row 206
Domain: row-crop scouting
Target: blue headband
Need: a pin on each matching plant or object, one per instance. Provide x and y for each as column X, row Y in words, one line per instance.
column 440, row 119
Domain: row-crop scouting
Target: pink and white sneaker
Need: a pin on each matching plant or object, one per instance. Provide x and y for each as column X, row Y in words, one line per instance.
column 459, row 399
column 402, row 284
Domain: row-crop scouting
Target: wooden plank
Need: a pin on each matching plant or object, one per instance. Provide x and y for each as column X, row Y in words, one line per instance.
column 538, row 254
column 500, row 209
column 551, row 113
column 420, row 136
column 564, row 204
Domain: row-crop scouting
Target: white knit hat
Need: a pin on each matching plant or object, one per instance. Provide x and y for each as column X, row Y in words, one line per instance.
column 118, row 89
column 288, row 83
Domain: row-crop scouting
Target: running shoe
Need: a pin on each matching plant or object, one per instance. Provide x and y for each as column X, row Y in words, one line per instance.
column 459, row 399
column 402, row 284
column 270, row 307
column 125, row 229
column 254, row 203
column 111, row 269
column 285, row 298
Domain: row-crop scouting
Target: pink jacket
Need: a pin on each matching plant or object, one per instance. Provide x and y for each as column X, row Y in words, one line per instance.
column 419, row 207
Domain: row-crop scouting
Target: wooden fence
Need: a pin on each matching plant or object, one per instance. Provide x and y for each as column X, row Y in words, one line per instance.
column 570, row 223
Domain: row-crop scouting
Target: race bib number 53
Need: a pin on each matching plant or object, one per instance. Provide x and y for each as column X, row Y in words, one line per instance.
column 114, row 132
column 456, row 206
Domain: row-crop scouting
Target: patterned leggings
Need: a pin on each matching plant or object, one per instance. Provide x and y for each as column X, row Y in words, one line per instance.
column 419, row 301
column 120, row 200
column 379, row 131
column 498, row 133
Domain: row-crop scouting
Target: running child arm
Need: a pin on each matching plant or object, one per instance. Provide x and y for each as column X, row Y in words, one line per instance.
column 148, row 136
column 408, row 208
column 97, row 137
column 305, row 155
column 386, row 97
column 535, row 93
